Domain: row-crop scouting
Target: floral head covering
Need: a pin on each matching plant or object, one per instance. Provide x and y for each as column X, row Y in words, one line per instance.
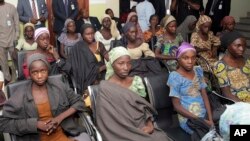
column 203, row 19
column 114, row 54
column 166, row 20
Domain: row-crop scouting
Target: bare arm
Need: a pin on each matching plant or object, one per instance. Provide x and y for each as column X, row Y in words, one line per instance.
column 195, row 6
column 181, row 110
column 227, row 93
column 62, row 52
column 207, row 105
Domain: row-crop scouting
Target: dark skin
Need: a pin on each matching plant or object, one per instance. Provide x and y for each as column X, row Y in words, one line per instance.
column 153, row 26
column 71, row 34
column 186, row 63
column 43, row 44
column 192, row 5
column 110, row 13
column 122, row 67
column 88, row 36
column 234, row 58
column 39, row 75
column 134, row 19
column 203, row 33
column 171, row 35
column 105, row 31
column 133, row 41
column 1, row 2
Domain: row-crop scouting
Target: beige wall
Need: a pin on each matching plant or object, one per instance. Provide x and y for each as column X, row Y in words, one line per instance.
column 239, row 8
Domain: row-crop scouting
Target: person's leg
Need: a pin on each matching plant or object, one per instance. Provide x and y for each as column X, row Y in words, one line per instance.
column 4, row 63
column 11, row 64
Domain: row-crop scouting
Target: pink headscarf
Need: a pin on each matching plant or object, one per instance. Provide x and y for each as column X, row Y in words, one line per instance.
column 40, row 31
column 227, row 19
column 184, row 48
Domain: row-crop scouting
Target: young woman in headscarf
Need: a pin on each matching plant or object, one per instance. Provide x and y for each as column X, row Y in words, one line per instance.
column 153, row 31
column 168, row 42
column 204, row 41
column 108, row 32
column 28, row 42
column 133, row 18
column 187, row 89
column 227, row 24
column 120, row 105
column 68, row 37
column 233, row 70
column 187, row 27
column 43, row 108
column 42, row 38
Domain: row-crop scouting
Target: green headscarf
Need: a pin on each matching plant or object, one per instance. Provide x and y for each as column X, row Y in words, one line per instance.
column 114, row 54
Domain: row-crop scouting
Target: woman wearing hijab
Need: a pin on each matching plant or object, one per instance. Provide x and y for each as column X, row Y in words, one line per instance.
column 187, row 89
column 227, row 24
column 133, row 18
column 119, row 104
column 187, row 27
column 204, row 41
column 44, row 107
column 233, row 70
column 68, row 37
column 108, row 32
column 168, row 42
column 42, row 38
column 28, row 42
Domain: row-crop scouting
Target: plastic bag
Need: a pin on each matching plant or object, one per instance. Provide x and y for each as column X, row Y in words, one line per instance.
column 212, row 135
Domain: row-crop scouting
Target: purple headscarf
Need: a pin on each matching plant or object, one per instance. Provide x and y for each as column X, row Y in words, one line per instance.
column 184, row 48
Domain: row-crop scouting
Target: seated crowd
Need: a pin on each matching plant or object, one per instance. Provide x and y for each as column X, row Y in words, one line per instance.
column 116, row 57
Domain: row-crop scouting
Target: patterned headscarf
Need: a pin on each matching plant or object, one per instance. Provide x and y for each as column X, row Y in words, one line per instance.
column 130, row 15
column 40, row 31
column 114, row 54
column 113, row 29
column 166, row 20
column 225, row 20
column 184, row 48
column 203, row 19
column 66, row 24
column 29, row 24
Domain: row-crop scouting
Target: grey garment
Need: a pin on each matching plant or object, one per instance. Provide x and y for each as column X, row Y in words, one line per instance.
column 4, row 62
column 20, row 114
column 25, row 13
column 82, row 137
column 183, row 28
column 121, row 113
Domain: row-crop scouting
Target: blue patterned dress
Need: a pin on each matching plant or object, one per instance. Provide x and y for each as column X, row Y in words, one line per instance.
column 189, row 93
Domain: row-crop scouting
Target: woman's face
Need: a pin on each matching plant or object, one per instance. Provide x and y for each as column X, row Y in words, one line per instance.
column 238, row 47
column 134, row 19
column 110, row 13
column 205, row 28
column 230, row 25
column 39, row 72
column 29, row 32
column 191, row 25
column 71, row 27
column 154, row 21
column 43, row 41
column 88, row 35
column 84, row 13
column 106, row 22
column 131, row 33
column 171, row 27
column 122, row 66
column 187, row 60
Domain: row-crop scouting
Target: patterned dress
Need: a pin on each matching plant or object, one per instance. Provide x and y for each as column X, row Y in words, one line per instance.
column 238, row 79
column 138, row 87
column 189, row 93
column 199, row 43
column 169, row 47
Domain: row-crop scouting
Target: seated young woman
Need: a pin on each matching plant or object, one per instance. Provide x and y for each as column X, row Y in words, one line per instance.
column 122, row 114
column 42, row 37
column 233, row 70
column 187, row 89
column 43, row 109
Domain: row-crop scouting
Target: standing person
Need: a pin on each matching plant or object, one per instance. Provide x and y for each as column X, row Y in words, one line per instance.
column 33, row 11
column 187, row 7
column 144, row 10
column 217, row 10
column 9, row 32
column 62, row 10
column 84, row 18
column 187, row 89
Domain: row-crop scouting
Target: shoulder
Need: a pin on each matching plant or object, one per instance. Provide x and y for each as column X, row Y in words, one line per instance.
column 199, row 71
column 174, row 77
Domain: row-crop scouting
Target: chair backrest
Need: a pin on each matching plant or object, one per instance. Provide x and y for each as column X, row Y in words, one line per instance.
column 93, row 92
column 158, row 93
column 20, row 60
